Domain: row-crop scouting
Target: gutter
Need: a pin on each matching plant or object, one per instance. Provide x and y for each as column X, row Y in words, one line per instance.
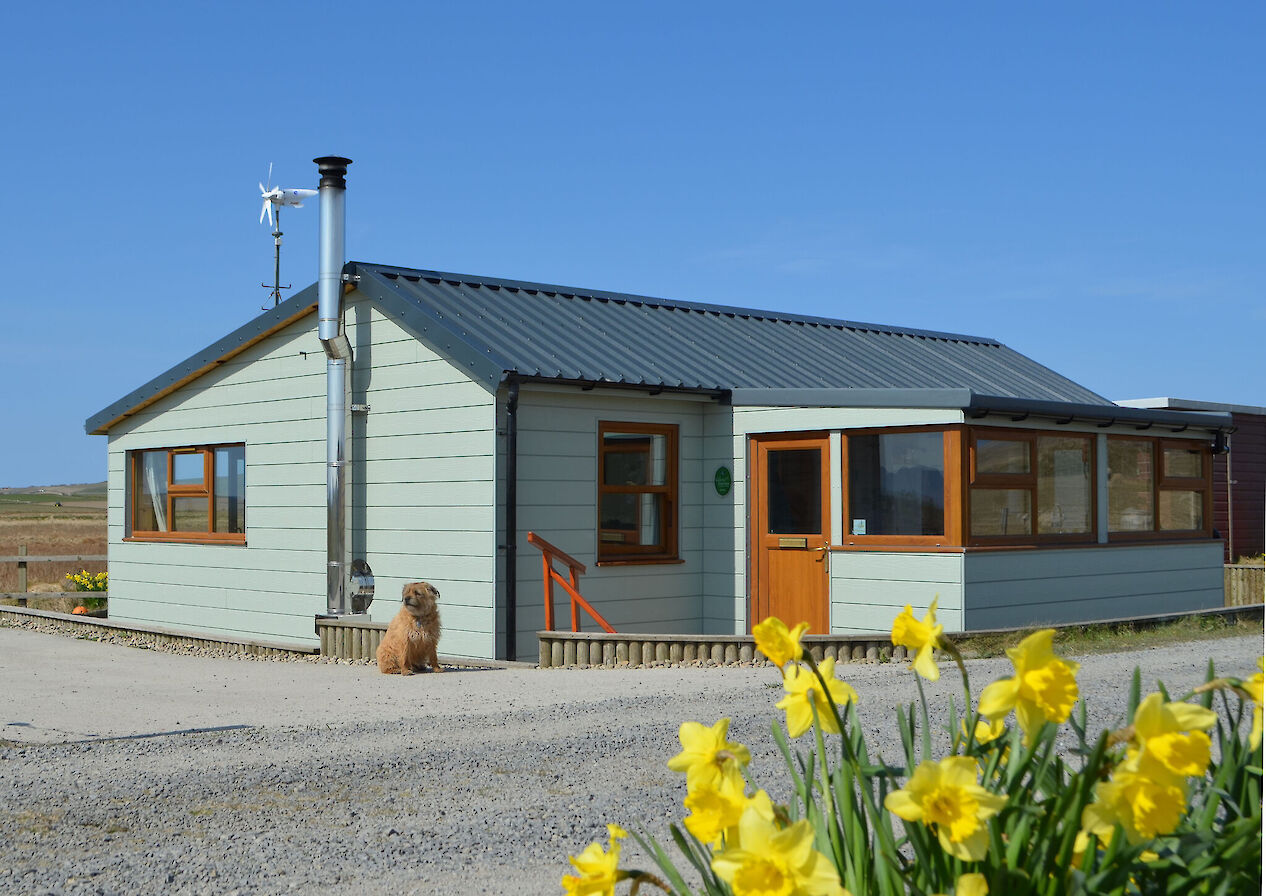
column 977, row 406
column 512, row 516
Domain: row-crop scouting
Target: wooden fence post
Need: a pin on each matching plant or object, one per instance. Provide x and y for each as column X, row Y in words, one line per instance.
column 22, row 574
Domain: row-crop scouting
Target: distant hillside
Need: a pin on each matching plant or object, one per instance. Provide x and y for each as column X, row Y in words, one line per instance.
column 86, row 490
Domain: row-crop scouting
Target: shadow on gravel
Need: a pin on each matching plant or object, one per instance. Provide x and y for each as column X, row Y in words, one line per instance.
column 214, row 730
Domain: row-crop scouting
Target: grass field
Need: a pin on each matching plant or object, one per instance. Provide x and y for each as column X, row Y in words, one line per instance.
column 1112, row 638
column 58, row 520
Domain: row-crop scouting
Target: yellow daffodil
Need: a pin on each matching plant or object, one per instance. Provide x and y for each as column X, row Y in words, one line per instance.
column 715, row 812
column 804, row 692
column 1043, row 689
column 1143, row 805
column 598, row 870
column 707, row 756
column 1173, row 735
column 985, row 730
column 947, row 795
column 921, row 637
column 970, row 885
column 1253, row 686
column 1080, row 844
column 776, row 642
column 764, row 860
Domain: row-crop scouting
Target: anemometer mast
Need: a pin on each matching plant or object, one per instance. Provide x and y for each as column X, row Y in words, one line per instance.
column 276, row 287
column 276, row 196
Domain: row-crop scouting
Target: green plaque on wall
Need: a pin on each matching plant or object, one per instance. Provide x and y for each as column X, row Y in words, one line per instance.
column 723, row 480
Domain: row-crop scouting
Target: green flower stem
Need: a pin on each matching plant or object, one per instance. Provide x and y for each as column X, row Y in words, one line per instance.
column 926, row 729
column 828, row 794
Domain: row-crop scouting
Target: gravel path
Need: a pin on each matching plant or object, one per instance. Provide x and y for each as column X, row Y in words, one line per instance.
column 129, row 771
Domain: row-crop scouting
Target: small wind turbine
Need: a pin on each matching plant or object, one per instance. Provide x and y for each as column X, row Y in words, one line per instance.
column 276, row 196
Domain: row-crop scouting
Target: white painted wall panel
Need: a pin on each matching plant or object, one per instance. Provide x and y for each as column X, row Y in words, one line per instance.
column 763, row 420
column 869, row 589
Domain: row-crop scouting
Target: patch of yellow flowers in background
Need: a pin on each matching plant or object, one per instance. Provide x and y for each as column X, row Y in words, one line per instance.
column 88, row 581
column 747, row 845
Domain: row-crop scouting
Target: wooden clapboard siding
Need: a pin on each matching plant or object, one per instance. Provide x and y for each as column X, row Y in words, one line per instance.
column 421, row 482
column 869, row 589
column 1010, row 588
column 269, row 397
column 557, row 498
column 724, row 555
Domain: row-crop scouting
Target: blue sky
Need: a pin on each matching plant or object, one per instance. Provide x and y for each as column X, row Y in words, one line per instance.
column 1083, row 182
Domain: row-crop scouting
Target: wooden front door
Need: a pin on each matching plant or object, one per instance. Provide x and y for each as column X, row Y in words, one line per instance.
column 790, row 530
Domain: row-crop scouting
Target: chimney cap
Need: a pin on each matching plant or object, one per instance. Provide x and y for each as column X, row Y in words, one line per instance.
column 333, row 171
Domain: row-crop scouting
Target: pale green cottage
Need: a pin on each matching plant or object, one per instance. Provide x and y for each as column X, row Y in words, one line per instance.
column 709, row 465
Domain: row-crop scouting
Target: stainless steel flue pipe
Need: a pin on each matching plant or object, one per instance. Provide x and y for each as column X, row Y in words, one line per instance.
column 338, row 375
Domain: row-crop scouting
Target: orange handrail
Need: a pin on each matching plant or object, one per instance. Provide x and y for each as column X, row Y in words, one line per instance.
column 550, row 575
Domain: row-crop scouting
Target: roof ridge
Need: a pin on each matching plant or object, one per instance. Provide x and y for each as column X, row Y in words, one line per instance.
column 704, row 307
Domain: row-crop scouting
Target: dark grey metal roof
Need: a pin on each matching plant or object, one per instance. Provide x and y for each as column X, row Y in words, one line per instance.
column 494, row 328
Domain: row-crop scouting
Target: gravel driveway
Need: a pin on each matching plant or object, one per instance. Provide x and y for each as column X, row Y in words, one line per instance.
column 131, row 771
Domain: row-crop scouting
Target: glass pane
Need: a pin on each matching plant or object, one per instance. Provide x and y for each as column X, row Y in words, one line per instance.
column 634, row 519
column 187, row 469
column 634, row 458
column 1000, row 511
column 896, row 484
column 795, row 491
column 190, row 514
column 1181, row 510
column 1001, row 456
column 1130, row 494
column 1063, row 485
column 1184, row 462
column 230, row 489
column 150, row 508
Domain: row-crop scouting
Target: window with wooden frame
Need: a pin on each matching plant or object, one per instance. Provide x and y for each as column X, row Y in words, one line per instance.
column 637, row 492
column 191, row 494
column 1031, row 487
column 1158, row 487
column 901, row 486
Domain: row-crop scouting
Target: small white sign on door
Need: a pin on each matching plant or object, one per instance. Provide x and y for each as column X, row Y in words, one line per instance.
column 859, row 527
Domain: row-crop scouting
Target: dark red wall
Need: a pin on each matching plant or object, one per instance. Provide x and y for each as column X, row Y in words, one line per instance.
column 1244, row 529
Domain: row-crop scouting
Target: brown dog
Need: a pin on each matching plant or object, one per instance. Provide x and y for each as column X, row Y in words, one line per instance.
column 414, row 635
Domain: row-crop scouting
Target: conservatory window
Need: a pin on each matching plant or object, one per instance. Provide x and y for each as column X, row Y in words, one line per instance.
column 1157, row 486
column 895, row 484
column 1032, row 485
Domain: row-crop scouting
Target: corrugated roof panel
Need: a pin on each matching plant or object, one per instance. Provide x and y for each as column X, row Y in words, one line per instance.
column 559, row 332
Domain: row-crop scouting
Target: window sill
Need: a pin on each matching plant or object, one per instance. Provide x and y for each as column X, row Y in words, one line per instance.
column 642, row 561
column 191, row 538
